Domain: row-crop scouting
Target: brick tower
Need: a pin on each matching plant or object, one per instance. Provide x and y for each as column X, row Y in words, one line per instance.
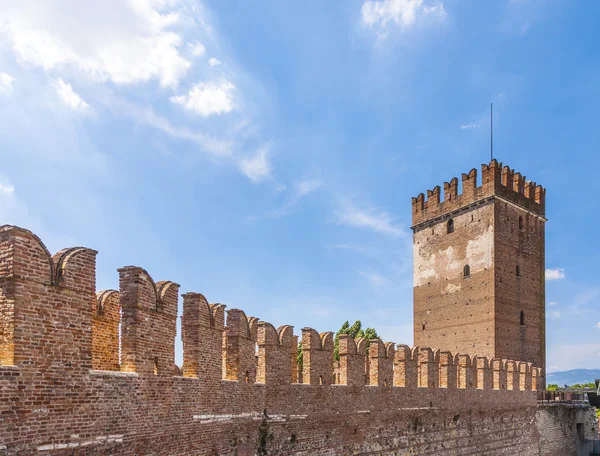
column 479, row 285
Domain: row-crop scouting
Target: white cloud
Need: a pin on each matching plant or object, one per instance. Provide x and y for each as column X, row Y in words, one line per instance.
column 472, row 124
column 555, row 274
column 214, row 146
column 69, row 96
column 6, row 83
column 124, row 42
column 121, row 41
column 4, row 188
column 374, row 279
column 307, row 186
column 258, row 167
column 598, row 325
column 380, row 13
column 554, row 315
column 208, row 98
column 214, row 62
column 368, row 218
column 198, row 49
column 574, row 356
column 300, row 190
column 553, row 303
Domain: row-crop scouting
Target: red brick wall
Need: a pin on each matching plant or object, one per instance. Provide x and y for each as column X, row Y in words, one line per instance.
column 451, row 311
column 523, row 248
column 477, row 311
column 53, row 401
column 105, row 331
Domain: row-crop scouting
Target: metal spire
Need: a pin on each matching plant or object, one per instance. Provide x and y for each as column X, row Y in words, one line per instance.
column 491, row 132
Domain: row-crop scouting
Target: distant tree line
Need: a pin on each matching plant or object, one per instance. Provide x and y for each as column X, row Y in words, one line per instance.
column 554, row 387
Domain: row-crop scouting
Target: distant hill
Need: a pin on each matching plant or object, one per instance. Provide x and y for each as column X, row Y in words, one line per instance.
column 573, row 376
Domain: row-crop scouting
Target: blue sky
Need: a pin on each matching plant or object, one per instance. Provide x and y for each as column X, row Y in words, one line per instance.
column 265, row 153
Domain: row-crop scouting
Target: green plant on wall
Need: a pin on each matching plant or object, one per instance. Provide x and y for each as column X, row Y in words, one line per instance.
column 354, row 331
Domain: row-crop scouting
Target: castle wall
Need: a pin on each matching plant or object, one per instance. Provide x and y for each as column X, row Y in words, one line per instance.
column 451, row 311
column 567, row 430
column 524, row 293
column 227, row 399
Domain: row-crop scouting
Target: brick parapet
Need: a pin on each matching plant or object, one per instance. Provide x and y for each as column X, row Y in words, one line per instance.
column 59, row 352
column 497, row 181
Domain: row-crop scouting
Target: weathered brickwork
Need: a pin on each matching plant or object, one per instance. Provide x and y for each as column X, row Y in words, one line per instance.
column 479, row 266
column 567, row 429
column 65, row 391
column 106, row 311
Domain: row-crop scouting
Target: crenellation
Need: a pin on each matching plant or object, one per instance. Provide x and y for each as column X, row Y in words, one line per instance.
column 24, row 256
column 466, row 371
column 381, row 363
column 317, row 357
column 497, row 181
column 491, row 176
column 448, row 376
column 45, row 323
column 540, row 195
column 352, row 362
column 485, row 376
column 508, row 177
column 529, row 189
column 105, row 331
column 428, row 368
column 253, row 327
column 525, row 376
column 512, row 375
column 217, row 316
column 275, row 348
column 61, row 339
column 75, row 269
column 148, row 325
column 519, row 183
column 499, row 374
column 202, row 327
column 418, row 203
column 537, row 379
column 451, row 189
column 433, row 198
column 239, row 348
column 406, row 367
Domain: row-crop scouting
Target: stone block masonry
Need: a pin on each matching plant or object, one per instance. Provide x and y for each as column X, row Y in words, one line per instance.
column 63, row 390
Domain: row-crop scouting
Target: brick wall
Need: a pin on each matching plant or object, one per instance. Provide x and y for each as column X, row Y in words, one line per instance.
column 479, row 266
column 566, row 429
column 452, row 311
column 62, row 392
column 519, row 243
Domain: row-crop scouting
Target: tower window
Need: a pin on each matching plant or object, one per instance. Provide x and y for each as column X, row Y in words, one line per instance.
column 518, row 271
column 521, row 223
column 466, row 271
column 522, row 318
column 450, row 226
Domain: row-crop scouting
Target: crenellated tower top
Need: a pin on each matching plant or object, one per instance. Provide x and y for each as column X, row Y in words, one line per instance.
column 498, row 181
